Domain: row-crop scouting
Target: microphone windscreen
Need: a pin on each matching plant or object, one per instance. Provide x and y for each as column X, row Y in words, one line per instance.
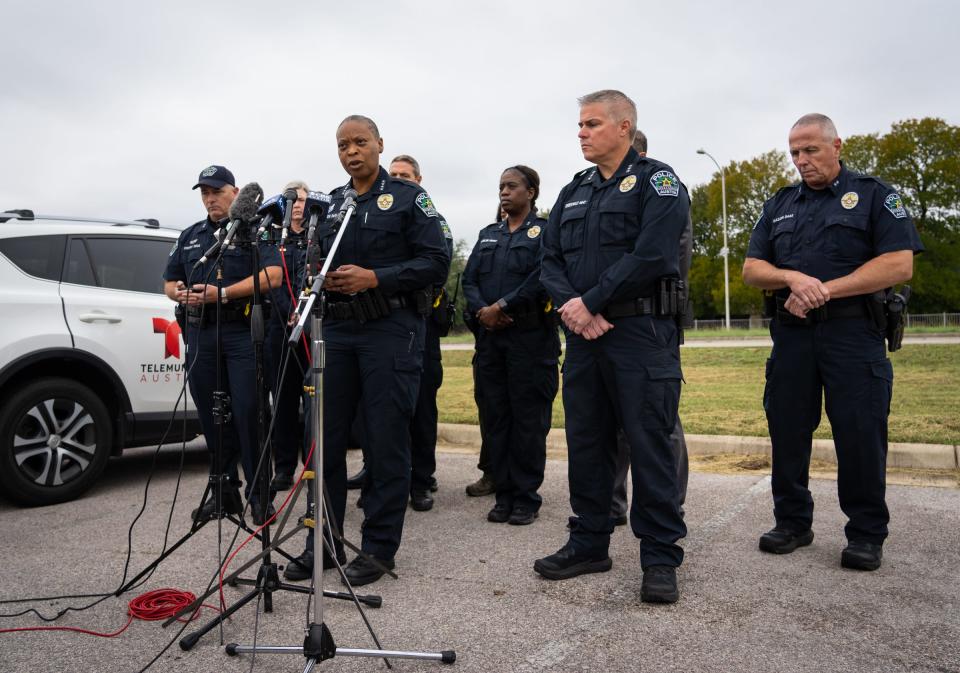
column 349, row 195
column 290, row 194
column 244, row 207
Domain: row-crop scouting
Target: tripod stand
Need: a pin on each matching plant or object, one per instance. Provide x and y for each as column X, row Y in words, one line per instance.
column 318, row 644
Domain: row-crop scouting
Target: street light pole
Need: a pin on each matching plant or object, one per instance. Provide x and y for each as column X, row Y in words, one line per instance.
column 725, row 251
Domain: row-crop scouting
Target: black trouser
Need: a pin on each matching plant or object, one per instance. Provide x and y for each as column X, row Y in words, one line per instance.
column 844, row 361
column 423, row 425
column 517, row 380
column 285, row 368
column 679, row 442
column 629, row 378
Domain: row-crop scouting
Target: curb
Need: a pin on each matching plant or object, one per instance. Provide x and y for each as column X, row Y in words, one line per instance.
column 901, row 455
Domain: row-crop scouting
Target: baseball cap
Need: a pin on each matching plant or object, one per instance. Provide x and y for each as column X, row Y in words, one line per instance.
column 215, row 176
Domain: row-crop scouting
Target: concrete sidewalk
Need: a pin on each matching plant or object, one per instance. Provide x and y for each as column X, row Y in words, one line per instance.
column 899, row 455
column 468, row 585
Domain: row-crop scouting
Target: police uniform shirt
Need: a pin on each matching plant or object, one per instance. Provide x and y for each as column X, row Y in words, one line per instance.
column 395, row 231
column 505, row 265
column 197, row 239
column 829, row 233
column 608, row 241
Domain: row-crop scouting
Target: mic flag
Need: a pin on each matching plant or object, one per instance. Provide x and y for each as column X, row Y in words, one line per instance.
column 317, row 202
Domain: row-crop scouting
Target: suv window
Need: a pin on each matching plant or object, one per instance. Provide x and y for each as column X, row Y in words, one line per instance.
column 40, row 256
column 118, row 263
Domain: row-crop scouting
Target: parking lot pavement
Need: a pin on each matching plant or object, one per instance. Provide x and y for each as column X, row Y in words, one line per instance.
column 468, row 585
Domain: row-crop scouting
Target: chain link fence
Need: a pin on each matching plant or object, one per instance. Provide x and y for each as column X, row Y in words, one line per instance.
column 945, row 320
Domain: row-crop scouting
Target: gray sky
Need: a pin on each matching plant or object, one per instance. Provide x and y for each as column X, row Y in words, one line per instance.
column 112, row 110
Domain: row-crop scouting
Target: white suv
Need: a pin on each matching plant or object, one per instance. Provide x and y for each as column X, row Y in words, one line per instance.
column 91, row 357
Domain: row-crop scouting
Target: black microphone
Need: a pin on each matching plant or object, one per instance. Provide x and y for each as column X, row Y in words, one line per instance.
column 315, row 206
column 290, row 196
column 243, row 209
column 348, row 206
column 271, row 211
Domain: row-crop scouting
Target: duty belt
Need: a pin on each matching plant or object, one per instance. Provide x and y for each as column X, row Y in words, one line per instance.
column 532, row 318
column 630, row 308
column 352, row 310
column 822, row 313
column 204, row 316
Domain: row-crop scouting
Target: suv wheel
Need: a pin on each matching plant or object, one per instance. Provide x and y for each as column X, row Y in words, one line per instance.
column 55, row 439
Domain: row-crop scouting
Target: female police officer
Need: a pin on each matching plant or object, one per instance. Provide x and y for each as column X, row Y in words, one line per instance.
column 517, row 347
column 392, row 254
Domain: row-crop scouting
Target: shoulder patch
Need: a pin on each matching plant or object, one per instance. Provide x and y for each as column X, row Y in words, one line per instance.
column 425, row 203
column 666, row 183
column 445, row 228
column 894, row 204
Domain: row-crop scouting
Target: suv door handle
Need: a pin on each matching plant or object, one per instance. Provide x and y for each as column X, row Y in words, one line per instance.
column 96, row 316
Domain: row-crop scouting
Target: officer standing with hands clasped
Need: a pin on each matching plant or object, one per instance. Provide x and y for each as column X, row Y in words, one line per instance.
column 237, row 366
column 517, row 347
column 392, row 255
column 611, row 264
column 824, row 247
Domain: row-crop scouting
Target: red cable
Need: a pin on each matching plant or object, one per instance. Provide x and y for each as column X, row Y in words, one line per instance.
column 151, row 606
column 286, row 277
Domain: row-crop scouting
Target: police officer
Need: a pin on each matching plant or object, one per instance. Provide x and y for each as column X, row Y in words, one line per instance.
column 823, row 246
column 611, row 245
column 391, row 256
column 517, row 347
column 196, row 289
column 677, row 439
column 423, row 426
column 288, row 366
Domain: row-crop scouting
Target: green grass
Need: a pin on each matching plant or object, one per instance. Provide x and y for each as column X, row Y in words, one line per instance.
column 724, row 391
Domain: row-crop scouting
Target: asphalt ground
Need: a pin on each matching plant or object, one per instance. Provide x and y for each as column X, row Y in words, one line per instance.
column 468, row 585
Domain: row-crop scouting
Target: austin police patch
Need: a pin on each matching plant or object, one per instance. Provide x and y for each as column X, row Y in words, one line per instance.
column 895, row 206
column 445, row 228
column 425, row 203
column 666, row 183
column 208, row 171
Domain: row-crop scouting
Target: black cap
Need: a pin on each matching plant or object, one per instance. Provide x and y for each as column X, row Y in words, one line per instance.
column 215, row 176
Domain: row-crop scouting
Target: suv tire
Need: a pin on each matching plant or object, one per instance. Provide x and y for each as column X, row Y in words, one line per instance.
column 55, row 439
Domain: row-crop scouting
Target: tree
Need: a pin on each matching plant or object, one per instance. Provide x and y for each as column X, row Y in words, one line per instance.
column 920, row 158
column 749, row 184
column 461, row 250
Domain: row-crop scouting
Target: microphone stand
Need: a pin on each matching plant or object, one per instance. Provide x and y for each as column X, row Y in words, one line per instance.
column 318, row 645
column 268, row 577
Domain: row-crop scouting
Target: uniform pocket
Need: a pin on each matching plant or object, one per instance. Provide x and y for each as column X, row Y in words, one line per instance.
column 782, row 237
column 848, row 238
column 661, row 397
column 406, row 372
column 882, row 387
column 572, row 230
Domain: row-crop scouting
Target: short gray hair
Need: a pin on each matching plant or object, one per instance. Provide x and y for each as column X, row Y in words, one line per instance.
column 816, row 119
column 296, row 184
column 619, row 104
column 407, row 159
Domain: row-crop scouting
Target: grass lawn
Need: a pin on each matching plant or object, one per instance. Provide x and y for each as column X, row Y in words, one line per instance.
column 724, row 391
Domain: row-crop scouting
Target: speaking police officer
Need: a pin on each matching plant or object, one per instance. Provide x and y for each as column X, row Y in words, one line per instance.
column 517, row 347
column 823, row 247
column 391, row 256
column 196, row 288
column 611, row 260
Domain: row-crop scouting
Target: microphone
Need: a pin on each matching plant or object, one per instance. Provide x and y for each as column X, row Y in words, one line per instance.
column 271, row 210
column 316, row 206
column 290, row 196
column 243, row 209
column 348, row 206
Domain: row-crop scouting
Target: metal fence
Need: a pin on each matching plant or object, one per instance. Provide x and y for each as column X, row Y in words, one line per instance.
column 913, row 320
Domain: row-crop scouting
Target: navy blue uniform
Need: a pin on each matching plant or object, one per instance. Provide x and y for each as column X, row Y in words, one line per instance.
column 827, row 234
column 608, row 242
column 287, row 367
column 375, row 366
column 423, row 426
column 236, row 347
column 516, row 367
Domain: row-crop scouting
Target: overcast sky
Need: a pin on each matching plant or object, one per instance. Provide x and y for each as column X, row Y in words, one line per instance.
column 113, row 109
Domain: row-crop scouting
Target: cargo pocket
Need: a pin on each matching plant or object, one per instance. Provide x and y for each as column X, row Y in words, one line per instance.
column 406, row 373
column 882, row 387
column 661, row 397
